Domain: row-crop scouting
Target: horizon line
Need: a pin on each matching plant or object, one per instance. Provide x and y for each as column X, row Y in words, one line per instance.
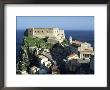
column 63, row 29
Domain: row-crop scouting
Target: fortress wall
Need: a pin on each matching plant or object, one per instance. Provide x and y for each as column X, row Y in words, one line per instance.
column 56, row 33
column 43, row 33
column 30, row 31
column 47, row 32
column 61, row 35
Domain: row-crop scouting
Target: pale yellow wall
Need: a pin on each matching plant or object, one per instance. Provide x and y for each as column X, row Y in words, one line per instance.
column 30, row 32
column 47, row 32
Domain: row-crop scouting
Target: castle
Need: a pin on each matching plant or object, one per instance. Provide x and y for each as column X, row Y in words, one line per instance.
column 54, row 34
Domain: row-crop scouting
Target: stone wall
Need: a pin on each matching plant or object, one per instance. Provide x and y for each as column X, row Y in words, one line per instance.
column 47, row 32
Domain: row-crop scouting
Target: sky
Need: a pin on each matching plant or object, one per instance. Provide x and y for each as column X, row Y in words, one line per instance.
column 63, row 22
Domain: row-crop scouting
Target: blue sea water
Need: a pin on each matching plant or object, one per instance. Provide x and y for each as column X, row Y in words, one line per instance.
column 19, row 39
column 84, row 36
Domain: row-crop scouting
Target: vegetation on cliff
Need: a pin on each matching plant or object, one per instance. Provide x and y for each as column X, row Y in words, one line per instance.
column 59, row 52
column 65, row 42
column 38, row 42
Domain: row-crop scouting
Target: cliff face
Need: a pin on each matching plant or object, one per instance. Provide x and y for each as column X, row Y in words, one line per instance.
column 39, row 56
column 26, row 33
column 36, row 61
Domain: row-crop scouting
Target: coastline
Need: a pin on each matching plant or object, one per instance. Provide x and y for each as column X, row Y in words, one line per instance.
column 77, row 35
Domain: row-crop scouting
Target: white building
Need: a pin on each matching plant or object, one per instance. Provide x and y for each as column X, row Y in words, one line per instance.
column 24, row 72
column 43, row 59
column 85, row 50
column 33, row 69
column 73, row 56
column 70, row 40
column 48, row 64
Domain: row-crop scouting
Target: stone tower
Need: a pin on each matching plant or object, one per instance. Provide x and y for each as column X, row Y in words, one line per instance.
column 70, row 40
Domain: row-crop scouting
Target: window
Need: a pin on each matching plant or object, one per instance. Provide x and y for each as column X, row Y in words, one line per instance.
column 87, row 55
column 38, row 31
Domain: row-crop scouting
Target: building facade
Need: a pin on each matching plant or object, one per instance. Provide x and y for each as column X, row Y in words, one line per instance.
column 70, row 40
column 73, row 57
column 52, row 33
column 85, row 50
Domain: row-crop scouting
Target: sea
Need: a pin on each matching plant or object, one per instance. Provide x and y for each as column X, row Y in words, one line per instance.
column 84, row 36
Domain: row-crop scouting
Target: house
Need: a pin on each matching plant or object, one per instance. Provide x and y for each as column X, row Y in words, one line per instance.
column 43, row 59
column 72, row 56
column 48, row 64
column 85, row 50
column 33, row 70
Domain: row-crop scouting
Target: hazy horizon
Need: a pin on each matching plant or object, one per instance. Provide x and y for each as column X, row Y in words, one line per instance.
column 64, row 30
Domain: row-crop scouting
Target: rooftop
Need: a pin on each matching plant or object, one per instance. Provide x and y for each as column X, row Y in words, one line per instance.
column 46, row 28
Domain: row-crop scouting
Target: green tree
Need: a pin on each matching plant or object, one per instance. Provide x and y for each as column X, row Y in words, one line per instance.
column 65, row 41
